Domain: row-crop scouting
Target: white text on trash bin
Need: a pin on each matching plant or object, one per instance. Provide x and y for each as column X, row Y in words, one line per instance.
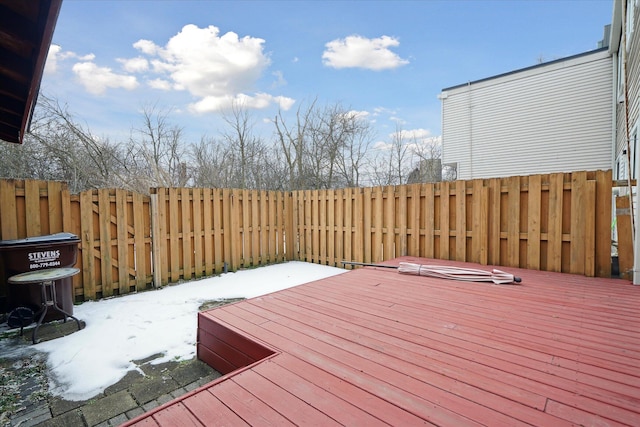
column 44, row 259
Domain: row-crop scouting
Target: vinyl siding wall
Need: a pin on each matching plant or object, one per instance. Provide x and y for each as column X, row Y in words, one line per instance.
column 633, row 91
column 555, row 117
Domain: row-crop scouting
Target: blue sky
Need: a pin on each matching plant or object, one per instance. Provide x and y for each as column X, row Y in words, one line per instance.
column 386, row 59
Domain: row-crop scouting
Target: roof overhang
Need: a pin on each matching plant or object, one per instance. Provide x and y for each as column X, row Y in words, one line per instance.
column 26, row 30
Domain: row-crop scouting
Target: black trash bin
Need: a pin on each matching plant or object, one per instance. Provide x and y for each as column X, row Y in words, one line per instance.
column 38, row 253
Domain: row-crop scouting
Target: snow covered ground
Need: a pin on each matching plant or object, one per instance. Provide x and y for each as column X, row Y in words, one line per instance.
column 133, row 327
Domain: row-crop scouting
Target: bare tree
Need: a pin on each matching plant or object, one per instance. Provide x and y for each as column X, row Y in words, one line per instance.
column 156, row 152
column 208, row 163
column 325, row 148
column 244, row 147
column 428, row 152
column 321, row 147
column 292, row 140
column 73, row 153
column 25, row 161
column 352, row 160
column 331, row 130
column 390, row 165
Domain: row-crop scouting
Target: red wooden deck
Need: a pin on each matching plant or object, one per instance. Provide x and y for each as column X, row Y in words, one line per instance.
column 374, row 347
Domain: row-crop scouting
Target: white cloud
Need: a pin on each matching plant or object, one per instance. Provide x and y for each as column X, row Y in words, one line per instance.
column 416, row 140
column 216, row 68
column 421, row 142
column 284, row 102
column 361, row 52
column 87, row 57
column 358, row 114
column 160, row 84
column 220, row 103
column 56, row 55
column 415, row 134
column 96, row 79
column 382, row 110
column 382, row 145
column 399, row 121
column 134, row 65
column 51, row 65
column 146, row 46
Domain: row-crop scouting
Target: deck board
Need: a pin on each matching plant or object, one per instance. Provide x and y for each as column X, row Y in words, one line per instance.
column 375, row 347
column 254, row 411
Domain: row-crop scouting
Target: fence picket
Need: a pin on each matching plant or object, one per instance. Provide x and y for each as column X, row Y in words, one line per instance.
column 280, row 221
column 174, row 232
column 198, row 233
column 262, row 216
column 308, row 250
column 495, row 196
column 339, row 231
column 218, row 237
column 70, row 217
column 32, row 208
column 348, row 224
column 389, row 222
column 554, row 239
column 106, row 259
column 602, row 232
column 89, row 272
column 578, row 222
column 8, row 202
column 461, row 221
column 141, row 240
column 53, row 202
column 401, row 215
column 161, row 258
column 122, row 223
column 358, row 232
column 367, row 197
column 429, row 213
column 513, row 222
column 444, row 220
column 589, row 226
column 414, row 220
column 185, row 226
column 323, row 230
column 331, row 228
column 534, row 201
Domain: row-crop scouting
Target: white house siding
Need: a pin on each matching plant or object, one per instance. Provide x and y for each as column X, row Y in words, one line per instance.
column 633, row 82
column 632, row 53
column 555, row 117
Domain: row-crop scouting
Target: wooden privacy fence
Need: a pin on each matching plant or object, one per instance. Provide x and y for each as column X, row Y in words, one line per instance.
column 113, row 226
column 555, row 222
column 205, row 231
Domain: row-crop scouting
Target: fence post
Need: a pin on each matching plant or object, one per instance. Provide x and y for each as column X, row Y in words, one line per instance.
column 155, row 241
